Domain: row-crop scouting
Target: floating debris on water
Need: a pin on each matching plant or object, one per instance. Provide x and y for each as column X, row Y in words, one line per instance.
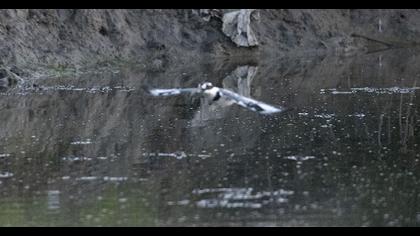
column 391, row 90
column 216, row 190
column 83, row 158
column 203, row 156
column 213, row 203
column 88, row 178
column 76, row 158
column 239, row 198
column 6, row 174
column 85, row 142
column 325, row 116
column 122, row 200
column 386, row 90
column 299, row 158
column 125, row 89
column 176, row 155
column 331, row 116
column 70, row 88
column 179, row 203
column 106, row 178
column 342, row 92
column 359, row 115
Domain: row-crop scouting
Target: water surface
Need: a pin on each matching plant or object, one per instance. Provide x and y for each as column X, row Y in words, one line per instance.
column 91, row 148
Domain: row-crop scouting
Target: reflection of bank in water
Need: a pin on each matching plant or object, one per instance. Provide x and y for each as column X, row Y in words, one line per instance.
column 53, row 197
column 237, row 90
column 239, row 81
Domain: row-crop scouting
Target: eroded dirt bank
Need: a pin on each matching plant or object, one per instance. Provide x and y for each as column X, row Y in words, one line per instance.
column 159, row 39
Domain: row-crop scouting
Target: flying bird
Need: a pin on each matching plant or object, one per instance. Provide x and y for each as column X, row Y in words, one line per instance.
column 220, row 95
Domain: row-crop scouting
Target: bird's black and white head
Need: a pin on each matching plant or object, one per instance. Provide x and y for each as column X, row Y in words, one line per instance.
column 205, row 86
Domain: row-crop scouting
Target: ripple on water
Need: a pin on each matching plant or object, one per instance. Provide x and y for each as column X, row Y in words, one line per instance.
column 176, row 155
column 105, row 178
column 236, row 198
column 82, row 158
column 105, row 89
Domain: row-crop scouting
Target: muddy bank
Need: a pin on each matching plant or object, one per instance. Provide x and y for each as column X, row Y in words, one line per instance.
column 159, row 39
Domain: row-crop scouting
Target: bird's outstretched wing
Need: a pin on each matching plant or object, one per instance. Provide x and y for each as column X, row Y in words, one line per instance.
column 171, row 92
column 250, row 103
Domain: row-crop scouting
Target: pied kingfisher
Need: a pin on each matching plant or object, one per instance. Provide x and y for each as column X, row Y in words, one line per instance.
column 216, row 94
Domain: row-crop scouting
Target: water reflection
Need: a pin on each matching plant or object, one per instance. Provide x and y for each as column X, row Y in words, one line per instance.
column 94, row 149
